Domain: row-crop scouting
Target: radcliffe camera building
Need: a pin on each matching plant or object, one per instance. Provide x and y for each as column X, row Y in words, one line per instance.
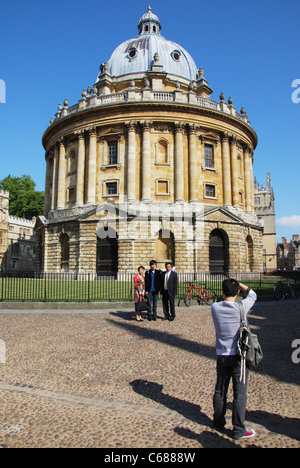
column 146, row 165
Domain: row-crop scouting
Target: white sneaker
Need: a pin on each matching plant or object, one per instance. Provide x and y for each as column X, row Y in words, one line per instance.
column 249, row 433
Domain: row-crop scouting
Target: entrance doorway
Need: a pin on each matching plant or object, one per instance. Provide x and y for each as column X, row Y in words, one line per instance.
column 107, row 253
column 218, row 251
column 164, row 248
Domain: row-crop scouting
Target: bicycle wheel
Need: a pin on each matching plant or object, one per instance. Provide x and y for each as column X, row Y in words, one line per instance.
column 209, row 296
column 279, row 293
column 188, row 297
column 292, row 293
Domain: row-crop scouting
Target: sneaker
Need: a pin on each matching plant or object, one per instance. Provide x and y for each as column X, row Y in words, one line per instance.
column 249, row 433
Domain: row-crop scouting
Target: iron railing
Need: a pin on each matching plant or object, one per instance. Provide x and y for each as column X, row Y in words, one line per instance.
column 119, row 287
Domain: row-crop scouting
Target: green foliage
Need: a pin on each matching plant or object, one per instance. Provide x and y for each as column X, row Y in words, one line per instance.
column 24, row 200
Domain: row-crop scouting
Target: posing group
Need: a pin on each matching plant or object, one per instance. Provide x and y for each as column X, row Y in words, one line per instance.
column 152, row 283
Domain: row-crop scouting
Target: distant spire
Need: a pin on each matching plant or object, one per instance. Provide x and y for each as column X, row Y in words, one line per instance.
column 268, row 180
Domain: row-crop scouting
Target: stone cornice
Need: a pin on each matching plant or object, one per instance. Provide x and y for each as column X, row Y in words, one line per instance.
column 104, row 115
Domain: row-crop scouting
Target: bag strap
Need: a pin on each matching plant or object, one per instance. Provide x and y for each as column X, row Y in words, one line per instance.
column 242, row 312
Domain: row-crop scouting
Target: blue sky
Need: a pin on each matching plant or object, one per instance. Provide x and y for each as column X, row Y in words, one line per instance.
column 249, row 50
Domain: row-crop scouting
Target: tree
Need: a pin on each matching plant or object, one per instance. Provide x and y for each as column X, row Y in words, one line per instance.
column 24, row 200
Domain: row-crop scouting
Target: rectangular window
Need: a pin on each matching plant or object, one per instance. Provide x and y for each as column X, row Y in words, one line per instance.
column 208, row 156
column 162, row 187
column 112, row 153
column 112, row 188
column 210, row 191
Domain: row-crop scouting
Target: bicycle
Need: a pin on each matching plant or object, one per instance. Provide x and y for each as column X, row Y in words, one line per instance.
column 284, row 289
column 206, row 295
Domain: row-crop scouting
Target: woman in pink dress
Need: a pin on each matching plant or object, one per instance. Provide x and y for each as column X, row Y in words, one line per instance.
column 139, row 291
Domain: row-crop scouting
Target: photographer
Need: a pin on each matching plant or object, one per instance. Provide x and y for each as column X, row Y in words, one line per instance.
column 227, row 319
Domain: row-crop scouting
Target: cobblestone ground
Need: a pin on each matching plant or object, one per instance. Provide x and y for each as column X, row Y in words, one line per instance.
column 105, row 380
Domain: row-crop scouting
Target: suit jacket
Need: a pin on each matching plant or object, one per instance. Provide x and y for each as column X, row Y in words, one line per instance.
column 172, row 283
column 158, row 284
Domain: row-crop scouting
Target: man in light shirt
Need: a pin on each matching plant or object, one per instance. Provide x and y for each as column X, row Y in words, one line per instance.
column 227, row 319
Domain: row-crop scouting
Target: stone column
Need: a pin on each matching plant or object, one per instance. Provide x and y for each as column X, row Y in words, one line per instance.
column 179, row 166
column 92, row 163
column 131, row 166
column 226, row 170
column 234, row 173
column 54, row 178
column 247, row 162
column 146, row 162
column 193, row 173
column 61, row 186
column 251, row 180
column 80, row 169
column 47, row 203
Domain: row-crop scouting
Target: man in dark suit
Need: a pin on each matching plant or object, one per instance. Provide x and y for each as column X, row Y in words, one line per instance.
column 153, row 286
column 169, row 291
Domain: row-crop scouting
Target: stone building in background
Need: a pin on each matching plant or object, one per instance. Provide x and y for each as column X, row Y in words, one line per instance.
column 17, row 240
column 4, row 204
column 288, row 253
column 146, row 165
column 265, row 209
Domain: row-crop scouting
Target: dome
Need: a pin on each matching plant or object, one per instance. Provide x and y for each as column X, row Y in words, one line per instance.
column 137, row 55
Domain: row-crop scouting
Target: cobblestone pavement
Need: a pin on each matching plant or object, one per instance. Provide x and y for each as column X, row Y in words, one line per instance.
column 104, row 380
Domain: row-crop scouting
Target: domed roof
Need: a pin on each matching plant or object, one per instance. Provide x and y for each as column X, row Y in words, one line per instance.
column 137, row 55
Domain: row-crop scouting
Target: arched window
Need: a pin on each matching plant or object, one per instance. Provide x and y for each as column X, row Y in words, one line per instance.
column 65, row 252
column 162, row 152
column 107, row 252
column 218, row 251
column 249, row 253
column 72, row 161
column 164, row 248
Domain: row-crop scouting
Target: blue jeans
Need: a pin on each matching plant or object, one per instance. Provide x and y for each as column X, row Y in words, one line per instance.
column 229, row 367
column 152, row 299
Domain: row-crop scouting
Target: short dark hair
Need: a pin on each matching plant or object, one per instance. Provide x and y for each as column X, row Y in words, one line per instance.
column 153, row 262
column 168, row 263
column 141, row 266
column 230, row 287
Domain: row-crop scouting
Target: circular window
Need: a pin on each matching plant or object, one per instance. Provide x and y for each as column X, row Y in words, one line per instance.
column 132, row 53
column 176, row 55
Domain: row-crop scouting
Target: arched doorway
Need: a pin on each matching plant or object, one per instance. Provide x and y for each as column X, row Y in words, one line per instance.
column 164, row 248
column 249, row 254
column 218, row 251
column 65, row 252
column 107, row 252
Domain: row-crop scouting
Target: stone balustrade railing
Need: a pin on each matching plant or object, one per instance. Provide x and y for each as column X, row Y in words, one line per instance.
column 147, row 95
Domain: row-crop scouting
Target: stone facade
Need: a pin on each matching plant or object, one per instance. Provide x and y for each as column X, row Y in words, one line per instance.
column 288, row 253
column 265, row 209
column 145, row 166
column 4, row 203
column 17, row 239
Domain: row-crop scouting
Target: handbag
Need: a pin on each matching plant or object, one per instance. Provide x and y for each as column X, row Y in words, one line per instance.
column 248, row 348
column 142, row 306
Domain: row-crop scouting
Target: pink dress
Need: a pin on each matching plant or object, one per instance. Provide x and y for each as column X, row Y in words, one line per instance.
column 139, row 287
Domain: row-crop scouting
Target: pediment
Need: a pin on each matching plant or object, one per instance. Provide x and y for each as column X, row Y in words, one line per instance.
column 221, row 215
column 111, row 132
column 41, row 222
column 102, row 212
